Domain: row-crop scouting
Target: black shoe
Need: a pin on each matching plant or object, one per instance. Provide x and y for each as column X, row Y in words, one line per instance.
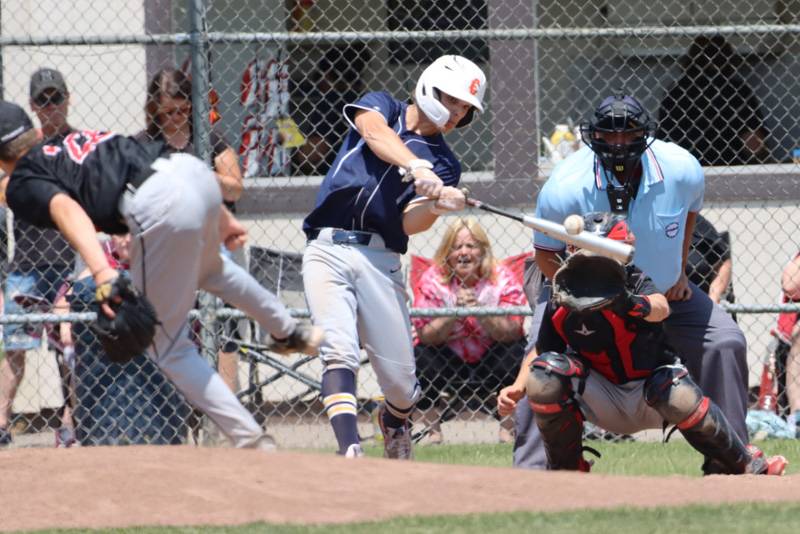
column 5, row 437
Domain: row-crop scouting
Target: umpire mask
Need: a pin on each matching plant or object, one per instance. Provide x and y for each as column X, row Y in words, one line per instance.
column 619, row 133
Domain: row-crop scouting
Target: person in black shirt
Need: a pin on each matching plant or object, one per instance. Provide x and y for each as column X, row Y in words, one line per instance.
column 709, row 265
column 615, row 368
column 711, row 111
column 172, row 206
column 168, row 112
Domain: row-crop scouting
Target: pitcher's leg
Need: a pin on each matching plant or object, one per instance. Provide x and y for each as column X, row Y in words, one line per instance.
column 235, row 286
column 172, row 219
column 205, row 389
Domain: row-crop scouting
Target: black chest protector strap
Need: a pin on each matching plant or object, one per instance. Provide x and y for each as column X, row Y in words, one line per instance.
column 619, row 196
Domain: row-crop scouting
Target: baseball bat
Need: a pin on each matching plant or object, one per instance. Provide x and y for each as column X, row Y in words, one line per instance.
column 595, row 243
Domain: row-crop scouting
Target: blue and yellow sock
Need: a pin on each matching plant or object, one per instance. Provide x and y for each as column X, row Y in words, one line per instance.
column 339, row 400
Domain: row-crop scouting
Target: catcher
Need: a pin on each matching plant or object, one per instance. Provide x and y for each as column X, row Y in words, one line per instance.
column 602, row 356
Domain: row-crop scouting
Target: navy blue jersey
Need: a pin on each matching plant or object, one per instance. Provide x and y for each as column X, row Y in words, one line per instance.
column 619, row 348
column 363, row 192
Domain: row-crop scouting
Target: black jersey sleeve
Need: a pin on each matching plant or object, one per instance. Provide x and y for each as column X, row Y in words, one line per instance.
column 29, row 198
column 549, row 339
column 639, row 283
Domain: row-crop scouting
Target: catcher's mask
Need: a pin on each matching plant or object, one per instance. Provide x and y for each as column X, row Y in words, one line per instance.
column 606, row 224
column 619, row 114
column 611, row 225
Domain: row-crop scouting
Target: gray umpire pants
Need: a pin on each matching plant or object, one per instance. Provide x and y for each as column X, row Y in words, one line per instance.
column 711, row 345
column 174, row 222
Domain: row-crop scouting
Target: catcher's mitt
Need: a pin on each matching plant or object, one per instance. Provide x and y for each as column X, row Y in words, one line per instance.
column 588, row 282
column 132, row 329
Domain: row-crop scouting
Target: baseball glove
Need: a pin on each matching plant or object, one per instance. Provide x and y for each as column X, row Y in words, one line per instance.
column 588, row 282
column 132, row 329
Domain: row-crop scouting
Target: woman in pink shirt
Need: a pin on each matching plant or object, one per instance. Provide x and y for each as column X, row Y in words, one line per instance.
column 467, row 357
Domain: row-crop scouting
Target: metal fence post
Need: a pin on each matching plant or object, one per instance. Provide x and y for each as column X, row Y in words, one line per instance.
column 201, row 137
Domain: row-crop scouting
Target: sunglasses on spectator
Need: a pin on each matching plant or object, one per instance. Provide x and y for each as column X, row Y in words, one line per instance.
column 180, row 110
column 44, row 100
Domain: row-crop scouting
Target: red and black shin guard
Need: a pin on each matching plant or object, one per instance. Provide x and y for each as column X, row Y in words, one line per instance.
column 558, row 417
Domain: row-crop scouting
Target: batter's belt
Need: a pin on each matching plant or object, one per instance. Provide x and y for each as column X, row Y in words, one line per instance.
column 337, row 236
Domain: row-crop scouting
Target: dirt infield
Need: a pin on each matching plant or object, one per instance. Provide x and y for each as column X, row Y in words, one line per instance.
column 124, row 486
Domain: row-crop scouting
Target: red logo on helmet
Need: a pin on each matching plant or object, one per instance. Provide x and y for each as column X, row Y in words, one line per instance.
column 474, row 86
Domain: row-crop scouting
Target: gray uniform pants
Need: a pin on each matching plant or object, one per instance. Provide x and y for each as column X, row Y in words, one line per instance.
column 711, row 345
column 356, row 294
column 174, row 223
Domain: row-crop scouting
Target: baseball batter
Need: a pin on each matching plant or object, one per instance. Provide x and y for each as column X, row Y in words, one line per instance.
column 392, row 177
column 172, row 206
column 606, row 359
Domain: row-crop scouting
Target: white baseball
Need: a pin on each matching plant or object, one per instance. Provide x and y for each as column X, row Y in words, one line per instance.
column 573, row 224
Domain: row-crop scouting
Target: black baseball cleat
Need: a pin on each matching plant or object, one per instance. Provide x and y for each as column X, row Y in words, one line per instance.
column 305, row 338
column 760, row 464
column 5, row 437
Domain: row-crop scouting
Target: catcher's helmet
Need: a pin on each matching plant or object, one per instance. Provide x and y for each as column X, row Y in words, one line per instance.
column 619, row 114
column 611, row 225
column 453, row 75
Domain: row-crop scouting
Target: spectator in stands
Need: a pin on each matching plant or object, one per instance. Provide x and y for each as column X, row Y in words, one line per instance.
column 711, row 111
column 41, row 264
column 790, row 283
column 168, row 112
column 470, row 357
column 709, row 265
column 336, row 82
column 120, row 404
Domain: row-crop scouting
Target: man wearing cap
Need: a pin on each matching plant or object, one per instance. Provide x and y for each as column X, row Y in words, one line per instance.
column 41, row 263
column 49, row 100
column 659, row 188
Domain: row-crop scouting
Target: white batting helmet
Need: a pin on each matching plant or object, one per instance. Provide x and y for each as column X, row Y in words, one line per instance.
column 453, row 75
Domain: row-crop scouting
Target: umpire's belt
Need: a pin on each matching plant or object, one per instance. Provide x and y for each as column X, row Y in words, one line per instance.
column 337, row 236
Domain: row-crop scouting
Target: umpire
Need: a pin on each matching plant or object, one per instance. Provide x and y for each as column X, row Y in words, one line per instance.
column 659, row 187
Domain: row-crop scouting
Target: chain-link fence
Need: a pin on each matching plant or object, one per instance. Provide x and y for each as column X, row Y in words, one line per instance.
column 266, row 81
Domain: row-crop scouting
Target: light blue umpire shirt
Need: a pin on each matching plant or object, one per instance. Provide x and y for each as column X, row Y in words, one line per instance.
column 672, row 185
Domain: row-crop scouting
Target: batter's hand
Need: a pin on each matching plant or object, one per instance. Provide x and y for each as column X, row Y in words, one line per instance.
column 450, row 199
column 681, row 289
column 426, row 183
column 507, row 399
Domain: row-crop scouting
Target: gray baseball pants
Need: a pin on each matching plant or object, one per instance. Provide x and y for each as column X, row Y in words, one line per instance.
column 174, row 222
column 356, row 294
column 711, row 345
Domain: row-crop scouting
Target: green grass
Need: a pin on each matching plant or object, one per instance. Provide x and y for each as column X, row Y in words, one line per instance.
column 627, row 458
column 741, row 518
column 624, row 458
